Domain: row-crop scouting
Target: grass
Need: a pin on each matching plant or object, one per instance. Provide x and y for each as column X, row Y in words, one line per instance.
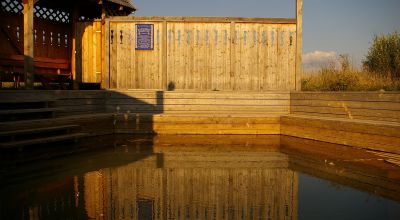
column 348, row 80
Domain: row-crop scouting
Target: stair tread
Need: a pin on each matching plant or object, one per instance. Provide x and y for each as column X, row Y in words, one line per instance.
column 42, row 140
column 16, row 101
column 23, row 111
column 37, row 130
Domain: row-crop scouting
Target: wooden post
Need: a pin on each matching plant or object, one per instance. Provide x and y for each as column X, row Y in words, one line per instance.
column 164, row 43
column 233, row 56
column 299, row 40
column 28, row 44
column 105, row 77
column 76, row 76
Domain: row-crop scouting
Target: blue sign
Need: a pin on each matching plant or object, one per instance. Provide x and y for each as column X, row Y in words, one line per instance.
column 144, row 37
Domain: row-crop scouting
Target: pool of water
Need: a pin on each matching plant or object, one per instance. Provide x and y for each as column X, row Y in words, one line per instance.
column 201, row 177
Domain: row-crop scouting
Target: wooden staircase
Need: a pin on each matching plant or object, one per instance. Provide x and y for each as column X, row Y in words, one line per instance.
column 32, row 111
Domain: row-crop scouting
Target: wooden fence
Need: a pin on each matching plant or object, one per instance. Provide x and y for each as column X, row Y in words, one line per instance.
column 191, row 53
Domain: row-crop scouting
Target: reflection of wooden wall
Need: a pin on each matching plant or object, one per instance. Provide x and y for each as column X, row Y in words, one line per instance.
column 198, row 193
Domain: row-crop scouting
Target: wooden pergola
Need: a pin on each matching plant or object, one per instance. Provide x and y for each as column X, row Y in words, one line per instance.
column 98, row 9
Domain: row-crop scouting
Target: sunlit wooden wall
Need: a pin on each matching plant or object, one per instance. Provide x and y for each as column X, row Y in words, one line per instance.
column 224, row 54
column 89, row 59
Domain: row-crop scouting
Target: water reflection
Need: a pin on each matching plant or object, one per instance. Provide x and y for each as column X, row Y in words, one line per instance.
column 189, row 177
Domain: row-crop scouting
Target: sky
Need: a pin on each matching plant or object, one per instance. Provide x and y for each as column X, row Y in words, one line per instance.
column 330, row 27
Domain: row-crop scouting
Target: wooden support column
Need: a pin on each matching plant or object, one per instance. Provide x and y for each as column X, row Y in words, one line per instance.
column 232, row 74
column 105, row 75
column 28, row 44
column 164, row 44
column 76, row 75
column 299, row 40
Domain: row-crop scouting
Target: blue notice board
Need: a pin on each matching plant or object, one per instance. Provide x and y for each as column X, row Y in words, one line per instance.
column 144, row 37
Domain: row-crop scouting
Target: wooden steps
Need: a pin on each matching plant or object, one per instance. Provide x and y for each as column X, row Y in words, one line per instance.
column 29, row 110
column 26, row 137
column 24, row 133
column 26, row 109
column 27, row 114
column 23, row 143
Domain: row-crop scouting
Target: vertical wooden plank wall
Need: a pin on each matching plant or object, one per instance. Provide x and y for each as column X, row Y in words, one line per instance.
column 90, row 47
column 199, row 54
column 135, row 69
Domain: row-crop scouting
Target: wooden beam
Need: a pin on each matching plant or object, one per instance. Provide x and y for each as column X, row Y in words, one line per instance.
column 76, row 75
column 28, row 43
column 204, row 19
column 299, row 40
column 164, row 43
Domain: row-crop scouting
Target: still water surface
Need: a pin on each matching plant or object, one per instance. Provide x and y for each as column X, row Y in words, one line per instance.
column 203, row 177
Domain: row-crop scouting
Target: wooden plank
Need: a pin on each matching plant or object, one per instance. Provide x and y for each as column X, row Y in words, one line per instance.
column 105, row 79
column 113, row 56
column 204, row 19
column 15, row 144
column 361, row 140
column 200, row 95
column 164, row 56
column 348, row 96
column 38, row 130
column 28, row 43
column 211, row 109
column 237, row 102
column 389, row 129
column 351, row 113
column 299, row 42
column 394, row 106
column 76, row 48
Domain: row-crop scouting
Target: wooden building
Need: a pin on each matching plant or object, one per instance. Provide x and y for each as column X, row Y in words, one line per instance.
column 100, row 46
column 38, row 36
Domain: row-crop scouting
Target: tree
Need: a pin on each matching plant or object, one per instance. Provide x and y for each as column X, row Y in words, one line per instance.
column 384, row 55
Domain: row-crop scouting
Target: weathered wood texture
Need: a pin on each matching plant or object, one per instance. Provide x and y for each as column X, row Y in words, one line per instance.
column 299, row 40
column 197, row 112
column 377, row 106
column 361, row 119
column 67, row 102
column 201, row 54
column 89, row 41
column 210, row 103
column 51, row 45
column 372, row 135
column 28, row 43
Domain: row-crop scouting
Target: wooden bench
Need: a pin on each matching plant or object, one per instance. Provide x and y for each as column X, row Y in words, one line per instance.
column 46, row 70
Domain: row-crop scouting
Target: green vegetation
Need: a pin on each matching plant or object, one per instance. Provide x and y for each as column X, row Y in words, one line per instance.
column 381, row 70
column 384, row 56
column 335, row 80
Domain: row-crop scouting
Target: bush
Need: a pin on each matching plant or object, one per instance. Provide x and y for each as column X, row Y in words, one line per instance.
column 384, row 56
column 334, row 80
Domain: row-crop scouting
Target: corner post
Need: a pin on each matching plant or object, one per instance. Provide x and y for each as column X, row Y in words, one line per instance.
column 28, row 44
column 76, row 73
column 299, row 42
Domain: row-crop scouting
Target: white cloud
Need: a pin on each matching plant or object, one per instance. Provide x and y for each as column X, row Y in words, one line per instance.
column 315, row 60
